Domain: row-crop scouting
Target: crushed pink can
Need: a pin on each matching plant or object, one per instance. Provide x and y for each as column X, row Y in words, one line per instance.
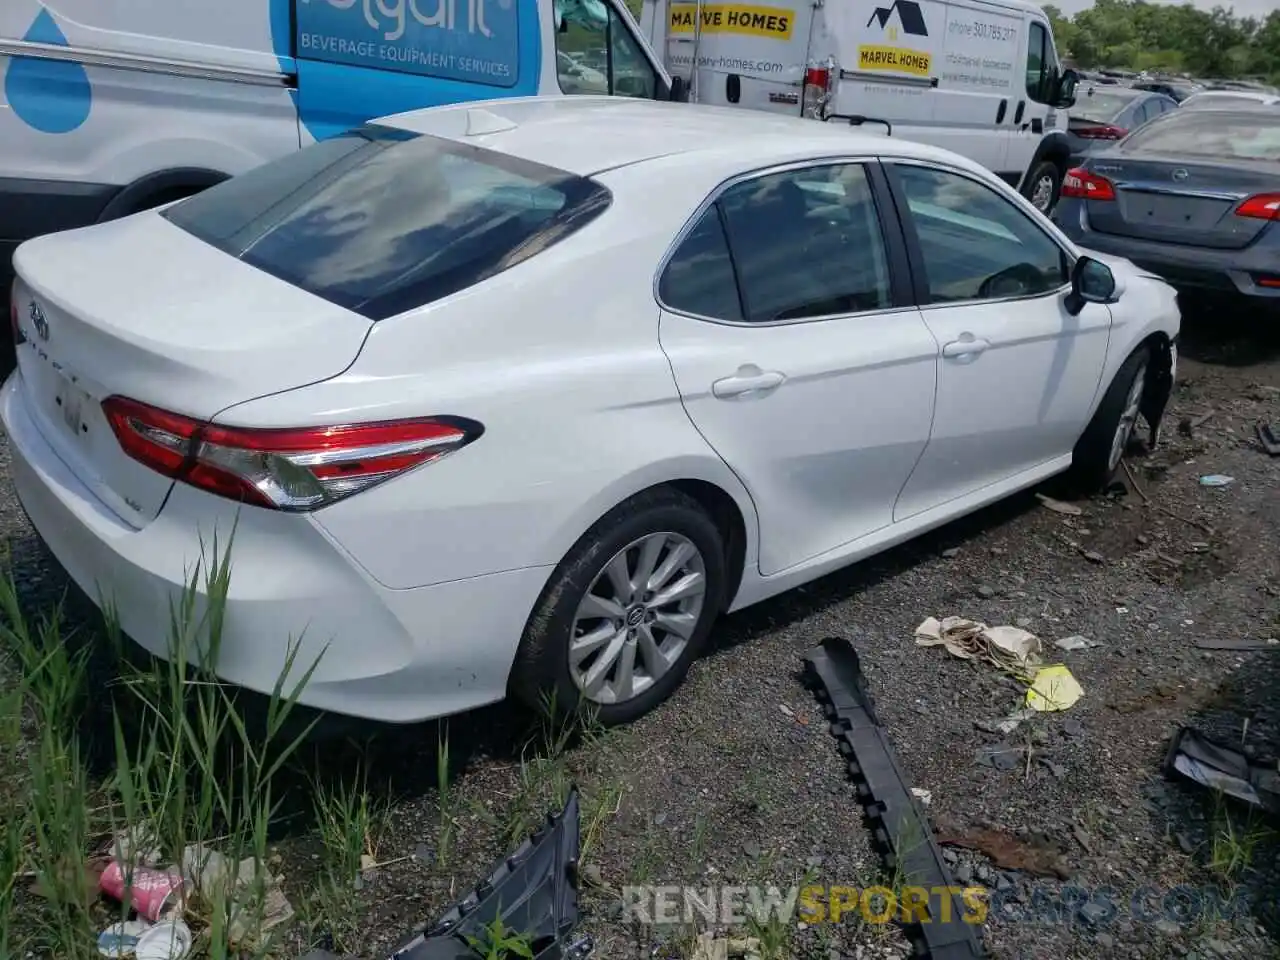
column 153, row 893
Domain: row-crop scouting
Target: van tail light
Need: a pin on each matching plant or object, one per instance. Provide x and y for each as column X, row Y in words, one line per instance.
column 1103, row 132
column 282, row 469
column 1262, row 206
column 817, row 91
column 1083, row 185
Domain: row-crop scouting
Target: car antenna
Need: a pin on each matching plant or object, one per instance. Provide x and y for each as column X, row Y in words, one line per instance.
column 480, row 122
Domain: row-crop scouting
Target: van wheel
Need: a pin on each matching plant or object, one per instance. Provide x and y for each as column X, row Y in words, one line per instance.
column 626, row 612
column 1043, row 186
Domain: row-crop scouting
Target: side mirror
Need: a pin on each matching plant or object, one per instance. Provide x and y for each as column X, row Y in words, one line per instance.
column 1065, row 94
column 1091, row 282
column 679, row 90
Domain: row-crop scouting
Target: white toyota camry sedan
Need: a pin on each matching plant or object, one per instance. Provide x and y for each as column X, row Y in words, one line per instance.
column 519, row 397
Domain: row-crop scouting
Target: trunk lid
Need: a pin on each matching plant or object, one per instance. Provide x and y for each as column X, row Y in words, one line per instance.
column 141, row 308
column 1173, row 200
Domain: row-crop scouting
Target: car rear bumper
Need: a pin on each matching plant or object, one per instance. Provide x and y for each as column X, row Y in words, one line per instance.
column 379, row 654
column 1223, row 271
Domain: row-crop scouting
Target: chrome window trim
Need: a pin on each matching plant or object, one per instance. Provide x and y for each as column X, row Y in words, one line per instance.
column 90, row 57
column 1067, row 252
column 717, row 192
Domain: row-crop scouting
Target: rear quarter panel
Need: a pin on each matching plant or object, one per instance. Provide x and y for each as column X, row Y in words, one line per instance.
column 559, row 358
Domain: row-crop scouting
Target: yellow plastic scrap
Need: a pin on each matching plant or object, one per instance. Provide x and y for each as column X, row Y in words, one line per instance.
column 1054, row 688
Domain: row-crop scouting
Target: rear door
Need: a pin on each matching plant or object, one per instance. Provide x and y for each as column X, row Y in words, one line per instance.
column 749, row 55
column 788, row 320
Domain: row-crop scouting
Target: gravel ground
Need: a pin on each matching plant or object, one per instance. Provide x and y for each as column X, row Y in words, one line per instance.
column 736, row 779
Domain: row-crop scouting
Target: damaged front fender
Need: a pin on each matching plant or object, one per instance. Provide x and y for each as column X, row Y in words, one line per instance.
column 1159, row 389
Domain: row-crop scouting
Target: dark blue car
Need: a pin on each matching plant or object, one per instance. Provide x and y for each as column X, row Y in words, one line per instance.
column 1193, row 196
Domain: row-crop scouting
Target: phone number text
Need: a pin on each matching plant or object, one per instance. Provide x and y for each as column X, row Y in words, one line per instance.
column 983, row 30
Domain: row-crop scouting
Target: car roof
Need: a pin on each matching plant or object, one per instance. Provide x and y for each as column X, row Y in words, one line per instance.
column 586, row 135
column 1235, row 94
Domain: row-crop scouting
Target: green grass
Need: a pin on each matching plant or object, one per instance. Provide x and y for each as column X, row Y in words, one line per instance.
column 189, row 771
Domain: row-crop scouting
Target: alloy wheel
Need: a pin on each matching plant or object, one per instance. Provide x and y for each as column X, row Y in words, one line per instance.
column 637, row 617
column 1042, row 195
column 1128, row 418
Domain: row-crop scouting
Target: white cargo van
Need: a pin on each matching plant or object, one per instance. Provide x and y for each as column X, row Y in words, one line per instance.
column 980, row 77
column 107, row 108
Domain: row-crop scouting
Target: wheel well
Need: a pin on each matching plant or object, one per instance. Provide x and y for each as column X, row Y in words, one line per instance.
column 1057, row 153
column 159, row 188
column 728, row 519
column 1159, row 387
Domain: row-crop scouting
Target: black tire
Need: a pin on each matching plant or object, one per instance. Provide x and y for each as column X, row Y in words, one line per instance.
column 1091, row 469
column 1044, row 169
column 541, row 669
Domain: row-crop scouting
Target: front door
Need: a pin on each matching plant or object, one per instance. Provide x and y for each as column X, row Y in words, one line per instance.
column 1017, row 374
column 799, row 356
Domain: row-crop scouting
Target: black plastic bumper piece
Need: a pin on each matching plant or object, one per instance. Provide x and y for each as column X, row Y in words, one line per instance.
column 899, row 827
column 534, row 890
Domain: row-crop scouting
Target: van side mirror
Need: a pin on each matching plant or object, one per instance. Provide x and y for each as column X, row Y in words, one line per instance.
column 679, row 92
column 1064, row 94
column 1091, row 282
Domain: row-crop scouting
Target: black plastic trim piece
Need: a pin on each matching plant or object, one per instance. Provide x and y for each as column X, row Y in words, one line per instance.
column 534, row 889
column 899, row 827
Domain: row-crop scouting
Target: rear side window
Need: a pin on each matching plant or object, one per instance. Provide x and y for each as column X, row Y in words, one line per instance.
column 380, row 221
column 1251, row 135
column 699, row 278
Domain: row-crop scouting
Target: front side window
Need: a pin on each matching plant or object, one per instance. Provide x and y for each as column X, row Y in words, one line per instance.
column 1035, row 61
column 977, row 245
column 1043, row 71
column 786, row 246
column 380, row 221
column 597, row 54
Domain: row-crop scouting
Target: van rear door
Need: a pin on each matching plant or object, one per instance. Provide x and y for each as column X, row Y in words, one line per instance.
column 750, row 55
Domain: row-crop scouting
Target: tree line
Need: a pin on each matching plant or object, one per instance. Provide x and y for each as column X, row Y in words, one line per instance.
column 1136, row 35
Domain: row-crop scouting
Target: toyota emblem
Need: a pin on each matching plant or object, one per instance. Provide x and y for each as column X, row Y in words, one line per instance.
column 37, row 318
column 1180, row 174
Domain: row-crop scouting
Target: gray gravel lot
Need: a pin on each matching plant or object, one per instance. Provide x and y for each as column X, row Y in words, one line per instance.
column 736, row 779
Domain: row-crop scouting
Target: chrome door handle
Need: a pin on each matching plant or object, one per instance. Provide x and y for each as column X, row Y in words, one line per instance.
column 966, row 346
column 748, row 383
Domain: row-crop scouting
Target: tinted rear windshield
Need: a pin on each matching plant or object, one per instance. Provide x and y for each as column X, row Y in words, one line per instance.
column 1250, row 135
column 1223, row 101
column 380, row 221
column 1100, row 106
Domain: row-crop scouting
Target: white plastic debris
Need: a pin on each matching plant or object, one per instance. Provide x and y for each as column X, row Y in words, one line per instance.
column 1076, row 642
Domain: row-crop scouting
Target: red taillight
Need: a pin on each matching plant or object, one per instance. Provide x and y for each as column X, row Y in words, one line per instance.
column 816, row 92
column 1263, row 206
column 291, row 469
column 1103, row 132
column 817, row 77
column 1083, row 185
